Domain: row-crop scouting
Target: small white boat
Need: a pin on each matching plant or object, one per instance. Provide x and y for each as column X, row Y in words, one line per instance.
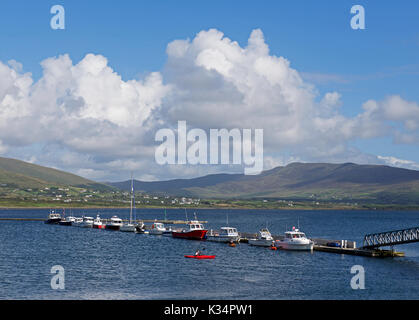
column 115, row 224
column 264, row 239
column 127, row 227
column 225, row 234
column 77, row 222
column 295, row 240
column 87, row 222
column 158, row 228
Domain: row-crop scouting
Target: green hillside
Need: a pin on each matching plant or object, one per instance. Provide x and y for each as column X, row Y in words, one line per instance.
column 32, row 175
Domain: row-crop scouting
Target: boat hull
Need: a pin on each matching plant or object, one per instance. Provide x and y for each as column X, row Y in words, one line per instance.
column 112, row 227
column 294, row 246
column 127, row 228
column 65, row 223
column 192, row 235
column 223, row 239
column 156, row 232
column 86, row 225
column 98, row 226
column 260, row 243
column 200, row 257
column 52, row 221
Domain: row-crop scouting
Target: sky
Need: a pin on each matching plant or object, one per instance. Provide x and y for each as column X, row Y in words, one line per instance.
column 89, row 99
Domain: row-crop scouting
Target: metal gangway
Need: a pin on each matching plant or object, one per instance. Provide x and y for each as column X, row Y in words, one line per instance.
column 391, row 238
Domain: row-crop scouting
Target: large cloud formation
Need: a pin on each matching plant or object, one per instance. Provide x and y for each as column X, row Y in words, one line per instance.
column 84, row 118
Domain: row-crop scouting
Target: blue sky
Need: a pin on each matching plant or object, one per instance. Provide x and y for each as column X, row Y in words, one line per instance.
column 315, row 36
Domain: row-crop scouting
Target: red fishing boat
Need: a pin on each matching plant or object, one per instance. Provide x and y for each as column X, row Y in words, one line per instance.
column 195, row 231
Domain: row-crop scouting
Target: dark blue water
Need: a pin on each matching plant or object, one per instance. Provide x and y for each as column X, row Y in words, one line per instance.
column 102, row 264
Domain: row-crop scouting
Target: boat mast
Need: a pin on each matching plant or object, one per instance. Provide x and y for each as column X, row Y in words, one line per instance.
column 132, row 194
column 133, row 202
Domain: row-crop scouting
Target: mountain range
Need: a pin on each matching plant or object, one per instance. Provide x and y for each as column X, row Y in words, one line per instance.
column 303, row 181
column 299, row 181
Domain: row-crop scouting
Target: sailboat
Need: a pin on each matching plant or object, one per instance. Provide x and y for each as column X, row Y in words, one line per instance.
column 129, row 227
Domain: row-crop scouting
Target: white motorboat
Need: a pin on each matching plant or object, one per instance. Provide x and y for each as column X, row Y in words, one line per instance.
column 264, row 239
column 98, row 224
column 158, row 228
column 295, row 240
column 115, row 224
column 127, row 227
column 87, row 222
column 77, row 222
column 225, row 234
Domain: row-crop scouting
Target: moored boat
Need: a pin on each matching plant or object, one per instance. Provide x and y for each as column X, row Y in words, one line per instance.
column 77, row 222
column 115, row 224
column 98, row 224
column 225, row 234
column 140, row 227
column 158, row 228
column 87, row 222
column 195, row 231
column 127, row 227
column 53, row 218
column 264, row 239
column 295, row 240
column 68, row 221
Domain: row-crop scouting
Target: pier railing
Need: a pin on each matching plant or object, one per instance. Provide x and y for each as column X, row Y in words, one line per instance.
column 391, row 238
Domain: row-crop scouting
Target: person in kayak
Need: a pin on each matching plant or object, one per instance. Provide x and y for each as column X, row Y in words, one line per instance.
column 198, row 252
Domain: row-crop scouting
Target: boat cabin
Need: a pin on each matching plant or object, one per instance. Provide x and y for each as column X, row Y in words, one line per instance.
column 265, row 234
column 295, row 234
column 54, row 216
column 195, row 225
column 158, row 225
column 116, row 220
column 228, row 231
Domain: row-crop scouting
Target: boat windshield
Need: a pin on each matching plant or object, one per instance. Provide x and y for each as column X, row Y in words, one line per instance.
column 295, row 235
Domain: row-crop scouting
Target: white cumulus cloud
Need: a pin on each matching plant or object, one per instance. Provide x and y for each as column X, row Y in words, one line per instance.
column 84, row 118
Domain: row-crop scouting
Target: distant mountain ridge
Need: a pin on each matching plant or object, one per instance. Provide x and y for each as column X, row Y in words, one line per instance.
column 299, row 181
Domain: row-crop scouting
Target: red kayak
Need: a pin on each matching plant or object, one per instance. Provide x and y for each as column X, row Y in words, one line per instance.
column 201, row 256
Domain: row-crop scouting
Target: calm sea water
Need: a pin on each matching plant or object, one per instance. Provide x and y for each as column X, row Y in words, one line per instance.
column 102, row 264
